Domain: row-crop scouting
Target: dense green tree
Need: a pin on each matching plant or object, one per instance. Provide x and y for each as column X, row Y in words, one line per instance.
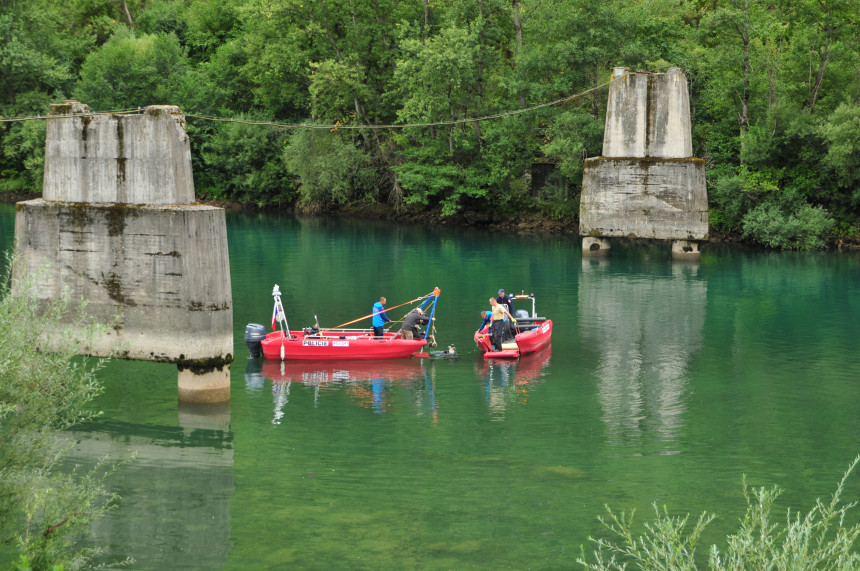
column 132, row 71
column 331, row 168
column 242, row 163
column 773, row 88
column 39, row 55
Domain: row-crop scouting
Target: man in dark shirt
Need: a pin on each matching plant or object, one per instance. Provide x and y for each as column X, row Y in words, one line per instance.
column 411, row 322
column 507, row 300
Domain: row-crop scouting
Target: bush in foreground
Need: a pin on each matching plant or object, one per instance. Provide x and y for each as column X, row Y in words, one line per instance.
column 818, row 540
column 45, row 389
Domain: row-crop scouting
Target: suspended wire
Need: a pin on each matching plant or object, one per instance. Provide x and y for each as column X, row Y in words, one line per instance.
column 133, row 110
column 330, row 127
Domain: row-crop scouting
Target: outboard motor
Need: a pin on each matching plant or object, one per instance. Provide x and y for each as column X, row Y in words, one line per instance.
column 254, row 335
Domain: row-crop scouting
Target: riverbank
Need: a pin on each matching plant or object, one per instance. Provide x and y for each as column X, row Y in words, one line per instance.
column 524, row 223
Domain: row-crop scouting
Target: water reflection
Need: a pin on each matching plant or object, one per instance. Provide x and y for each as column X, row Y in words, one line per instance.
column 176, row 493
column 369, row 383
column 646, row 329
column 508, row 382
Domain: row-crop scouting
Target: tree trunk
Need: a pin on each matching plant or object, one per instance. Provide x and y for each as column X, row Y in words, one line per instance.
column 518, row 34
column 823, row 58
column 127, row 13
column 518, row 25
column 815, row 86
column 426, row 21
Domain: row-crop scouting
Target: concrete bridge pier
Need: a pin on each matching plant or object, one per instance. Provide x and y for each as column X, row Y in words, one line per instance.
column 118, row 224
column 203, row 385
column 647, row 183
column 595, row 247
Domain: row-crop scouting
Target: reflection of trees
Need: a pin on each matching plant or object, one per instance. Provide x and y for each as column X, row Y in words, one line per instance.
column 646, row 329
column 509, row 382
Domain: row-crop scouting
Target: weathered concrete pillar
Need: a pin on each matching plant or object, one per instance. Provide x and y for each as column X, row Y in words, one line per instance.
column 118, row 224
column 646, row 184
column 595, row 247
column 648, row 115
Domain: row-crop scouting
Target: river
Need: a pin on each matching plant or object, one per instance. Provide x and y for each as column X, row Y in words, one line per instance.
column 666, row 383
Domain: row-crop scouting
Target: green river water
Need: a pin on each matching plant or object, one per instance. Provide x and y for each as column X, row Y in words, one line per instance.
column 666, row 382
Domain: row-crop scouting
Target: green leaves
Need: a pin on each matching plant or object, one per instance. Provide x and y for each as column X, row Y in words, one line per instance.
column 132, row 71
column 331, row 168
column 44, row 389
column 773, row 88
column 842, row 133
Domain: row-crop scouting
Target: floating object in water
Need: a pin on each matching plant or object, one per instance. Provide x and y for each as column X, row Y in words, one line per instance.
column 449, row 353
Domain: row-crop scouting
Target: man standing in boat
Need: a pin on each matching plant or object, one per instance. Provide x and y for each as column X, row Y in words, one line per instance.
column 411, row 321
column 379, row 318
column 508, row 302
column 499, row 313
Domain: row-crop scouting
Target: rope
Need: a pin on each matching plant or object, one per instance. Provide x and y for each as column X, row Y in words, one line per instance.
column 386, row 309
column 90, row 114
column 330, row 127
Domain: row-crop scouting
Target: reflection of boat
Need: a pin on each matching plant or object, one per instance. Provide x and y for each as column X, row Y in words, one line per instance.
column 509, row 382
column 335, row 342
column 368, row 381
column 530, row 368
column 311, row 372
column 532, row 334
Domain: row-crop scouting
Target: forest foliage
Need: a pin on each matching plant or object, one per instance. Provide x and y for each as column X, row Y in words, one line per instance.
column 774, row 90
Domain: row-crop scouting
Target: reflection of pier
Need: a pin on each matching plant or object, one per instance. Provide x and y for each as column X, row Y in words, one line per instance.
column 176, row 492
column 645, row 330
column 369, row 382
column 510, row 382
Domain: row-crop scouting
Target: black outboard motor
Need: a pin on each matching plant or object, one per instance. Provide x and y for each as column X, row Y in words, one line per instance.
column 254, row 335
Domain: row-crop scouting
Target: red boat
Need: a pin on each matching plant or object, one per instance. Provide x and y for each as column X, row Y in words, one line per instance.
column 532, row 334
column 335, row 342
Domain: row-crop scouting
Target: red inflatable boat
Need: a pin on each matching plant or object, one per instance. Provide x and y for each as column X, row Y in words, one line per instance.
column 532, row 333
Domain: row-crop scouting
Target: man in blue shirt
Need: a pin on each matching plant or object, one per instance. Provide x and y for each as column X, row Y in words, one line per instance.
column 486, row 317
column 379, row 317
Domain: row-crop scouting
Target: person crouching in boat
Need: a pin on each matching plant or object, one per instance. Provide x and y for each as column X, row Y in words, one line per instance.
column 410, row 323
column 486, row 319
column 499, row 312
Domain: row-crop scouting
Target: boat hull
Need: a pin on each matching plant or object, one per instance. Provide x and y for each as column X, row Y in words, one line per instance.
column 526, row 342
column 333, row 345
